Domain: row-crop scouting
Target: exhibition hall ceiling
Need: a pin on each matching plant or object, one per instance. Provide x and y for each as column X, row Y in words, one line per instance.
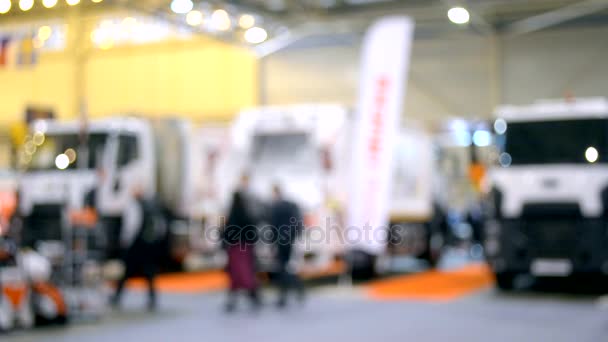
column 230, row 20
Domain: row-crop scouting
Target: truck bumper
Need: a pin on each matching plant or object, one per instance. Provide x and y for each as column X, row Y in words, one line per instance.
column 519, row 246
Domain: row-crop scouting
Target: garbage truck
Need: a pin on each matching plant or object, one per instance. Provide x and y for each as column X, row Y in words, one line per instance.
column 549, row 193
column 105, row 162
column 305, row 149
column 301, row 149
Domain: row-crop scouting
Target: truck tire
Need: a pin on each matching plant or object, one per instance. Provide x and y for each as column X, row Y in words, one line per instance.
column 362, row 265
column 434, row 247
column 505, row 281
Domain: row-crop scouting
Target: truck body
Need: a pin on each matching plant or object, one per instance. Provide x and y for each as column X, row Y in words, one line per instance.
column 549, row 195
column 108, row 161
column 306, row 150
column 299, row 148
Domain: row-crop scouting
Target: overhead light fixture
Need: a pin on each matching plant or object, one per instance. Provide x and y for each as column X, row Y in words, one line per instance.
column 221, row 20
column 26, row 5
column 72, row 2
column 44, row 33
column 256, row 35
column 194, row 18
column 459, row 15
column 182, row 6
column 49, row 3
column 5, row 6
column 97, row 1
column 246, row 21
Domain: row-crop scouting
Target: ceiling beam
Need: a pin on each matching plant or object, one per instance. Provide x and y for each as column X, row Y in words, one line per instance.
column 555, row 17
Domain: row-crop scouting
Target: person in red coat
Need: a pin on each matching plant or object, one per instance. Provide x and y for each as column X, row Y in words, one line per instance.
column 239, row 238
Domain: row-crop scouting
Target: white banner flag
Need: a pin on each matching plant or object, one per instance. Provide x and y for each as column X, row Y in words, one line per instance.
column 384, row 67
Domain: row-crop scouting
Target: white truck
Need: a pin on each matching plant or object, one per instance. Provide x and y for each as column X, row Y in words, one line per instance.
column 300, row 148
column 114, row 157
column 304, row 148
column 415, row 215
column 549, row 194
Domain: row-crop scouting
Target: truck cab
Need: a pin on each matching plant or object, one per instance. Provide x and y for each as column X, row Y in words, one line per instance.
column 549, row 195
column 299, row 147
column 66, row 161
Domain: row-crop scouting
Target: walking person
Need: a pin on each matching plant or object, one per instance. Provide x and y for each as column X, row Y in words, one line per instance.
column 286, row 221
column 141, row 256
column 239, row 238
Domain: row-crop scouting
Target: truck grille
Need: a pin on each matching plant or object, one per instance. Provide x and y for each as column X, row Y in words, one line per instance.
column 551, row 238
column 44, row 223
column 552, row 229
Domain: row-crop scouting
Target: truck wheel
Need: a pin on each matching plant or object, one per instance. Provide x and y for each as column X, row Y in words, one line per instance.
column 432, row 253
column 362, row 265
column 505, row 281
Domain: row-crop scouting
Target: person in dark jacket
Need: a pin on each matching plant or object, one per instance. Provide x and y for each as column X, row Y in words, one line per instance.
column 239, row 238
column 141, row 257
column 286, row 221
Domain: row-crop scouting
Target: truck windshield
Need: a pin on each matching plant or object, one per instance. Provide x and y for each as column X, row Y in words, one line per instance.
column 284, row 151
column 72, row 146
column 580, row 141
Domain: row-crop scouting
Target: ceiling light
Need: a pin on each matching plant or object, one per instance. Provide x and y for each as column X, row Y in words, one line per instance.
column 26, row 5
column 221, row 20
column 256, row 35
column 246, row 21
column 459, row 15
column 49, row 3
column 194, row 18
column 181, row 6
column 72, row 2
column 97, row 1
column 5, row 6
column 44, row 33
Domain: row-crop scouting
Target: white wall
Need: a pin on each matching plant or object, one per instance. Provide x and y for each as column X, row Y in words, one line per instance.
column 548, row 64
column 462, row 76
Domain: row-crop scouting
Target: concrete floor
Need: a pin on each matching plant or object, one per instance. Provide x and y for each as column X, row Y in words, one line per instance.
column 344, row 314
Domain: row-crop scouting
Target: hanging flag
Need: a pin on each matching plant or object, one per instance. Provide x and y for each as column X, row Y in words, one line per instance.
column 384, row 68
